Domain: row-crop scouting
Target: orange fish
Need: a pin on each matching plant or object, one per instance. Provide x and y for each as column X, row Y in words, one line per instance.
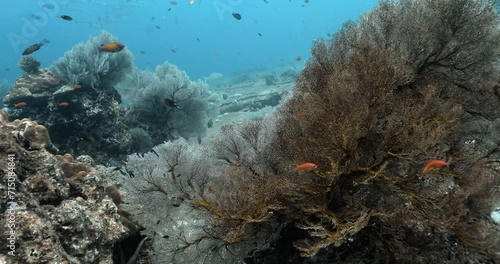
column 64, row 104
column 111, row 47
column 298, row 58
column 435, row 164
column 20, row 104
column 306, row 166
column 76, row 86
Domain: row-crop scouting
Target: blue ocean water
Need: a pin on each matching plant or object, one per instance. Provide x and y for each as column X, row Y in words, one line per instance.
column 200, row 38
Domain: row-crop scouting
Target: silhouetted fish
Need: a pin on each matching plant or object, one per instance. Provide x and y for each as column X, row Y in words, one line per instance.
column 171, row 103
column 65, row 17
column 237, row 16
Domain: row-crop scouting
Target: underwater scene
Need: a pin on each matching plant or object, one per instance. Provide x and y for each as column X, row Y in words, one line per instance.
column 252, row 132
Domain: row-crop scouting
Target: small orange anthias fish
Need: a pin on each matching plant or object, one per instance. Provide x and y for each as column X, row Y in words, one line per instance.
column 306, row 166
column 20, row 104
column 298, row 58
column 76, row 86
column 64, row 104
column 111, row 47
column 435, row 164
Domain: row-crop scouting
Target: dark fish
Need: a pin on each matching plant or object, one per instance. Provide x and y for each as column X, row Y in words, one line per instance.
column 210, row 123
column 198, row 39
column 265, row 1
column 142, row 52
column 237, row 16
column 173, row 50
column 260, row 35
column 34, row 48
column 65, row 17
column 169, row 9
column 7, row 69
column 158, row 27
column 224, row 96
column 171, row 103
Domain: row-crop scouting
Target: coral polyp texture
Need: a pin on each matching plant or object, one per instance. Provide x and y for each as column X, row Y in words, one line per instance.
column 410, row 82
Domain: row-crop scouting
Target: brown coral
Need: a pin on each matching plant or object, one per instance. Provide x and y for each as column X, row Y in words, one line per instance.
column 29, row 85
column 31, row 134
column 28, row 64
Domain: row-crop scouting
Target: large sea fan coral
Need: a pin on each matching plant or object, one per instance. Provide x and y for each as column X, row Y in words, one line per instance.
column 86, row 65
column 194, row 103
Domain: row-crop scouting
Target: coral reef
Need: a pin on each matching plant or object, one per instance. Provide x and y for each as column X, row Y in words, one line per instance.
column 54, row 221
column 88, row 124
column 372, row 106
column 82, row 111
column 28, row 64
column 370, row 109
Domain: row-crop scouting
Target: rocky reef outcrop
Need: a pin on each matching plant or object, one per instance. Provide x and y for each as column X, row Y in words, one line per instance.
column 55, row 209
column 81, row 120
column 33, row 88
